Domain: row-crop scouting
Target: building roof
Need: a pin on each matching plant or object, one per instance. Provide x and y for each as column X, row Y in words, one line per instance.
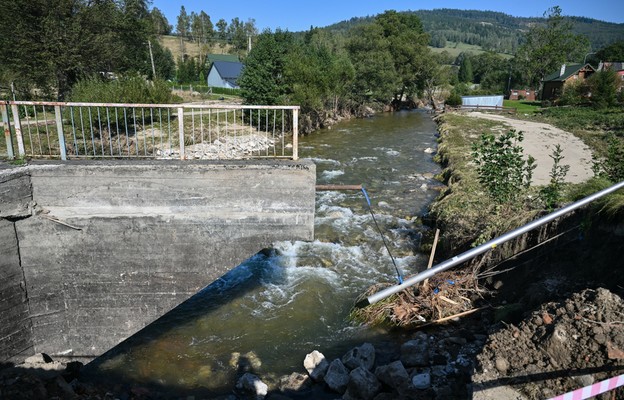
column 221, row 57
column 229, row 71
column 568, row 71
column 613, row 65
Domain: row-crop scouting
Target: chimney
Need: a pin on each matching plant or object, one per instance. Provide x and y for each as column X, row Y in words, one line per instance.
column 562, row 71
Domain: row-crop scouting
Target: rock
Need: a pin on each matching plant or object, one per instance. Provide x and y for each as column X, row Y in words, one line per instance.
column 502, row 365
column 429, row 150
column 316, row 365
column 393, row 374
column 295, row 382
column 457, row 340
column 252, row 384
column 363, row 384
column 40, row 358
column 361, row 356
column 337, row 376
column 557, row 345
column 422, row 381
column 415, row 353
column 584, row 380
column 246, row 362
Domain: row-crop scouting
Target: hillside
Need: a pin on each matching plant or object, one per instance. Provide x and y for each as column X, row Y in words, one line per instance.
column 491, row 30
column 190, row 48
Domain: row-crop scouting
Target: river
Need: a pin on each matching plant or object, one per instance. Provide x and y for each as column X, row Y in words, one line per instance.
column 284, row 302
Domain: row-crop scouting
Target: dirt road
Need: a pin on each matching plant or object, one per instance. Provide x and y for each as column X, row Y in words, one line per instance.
column 540, row 140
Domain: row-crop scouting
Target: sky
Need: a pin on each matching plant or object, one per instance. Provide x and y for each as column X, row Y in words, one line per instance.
column 299, row 15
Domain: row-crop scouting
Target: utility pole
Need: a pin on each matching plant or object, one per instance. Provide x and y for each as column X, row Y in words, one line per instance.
column 149, row 44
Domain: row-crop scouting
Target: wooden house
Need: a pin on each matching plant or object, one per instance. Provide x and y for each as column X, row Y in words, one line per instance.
column 554, row 84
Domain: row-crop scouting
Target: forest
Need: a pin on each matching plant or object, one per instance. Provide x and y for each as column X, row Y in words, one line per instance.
column 68, row 49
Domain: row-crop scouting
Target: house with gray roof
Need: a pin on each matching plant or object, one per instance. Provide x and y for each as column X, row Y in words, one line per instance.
column 225, row 74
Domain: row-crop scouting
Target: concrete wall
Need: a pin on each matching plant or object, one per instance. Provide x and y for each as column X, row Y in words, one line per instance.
column 15, row 327
column 117, row 244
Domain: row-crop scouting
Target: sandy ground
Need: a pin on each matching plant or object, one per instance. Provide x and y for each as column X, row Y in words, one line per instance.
column 540, row 140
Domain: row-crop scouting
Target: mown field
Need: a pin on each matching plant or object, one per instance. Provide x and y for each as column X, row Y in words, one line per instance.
column 188, row 47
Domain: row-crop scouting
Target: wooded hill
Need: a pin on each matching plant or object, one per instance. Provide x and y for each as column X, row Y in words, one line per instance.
column 491, row 30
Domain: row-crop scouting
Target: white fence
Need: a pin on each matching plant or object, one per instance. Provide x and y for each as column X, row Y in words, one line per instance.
column 116, row 130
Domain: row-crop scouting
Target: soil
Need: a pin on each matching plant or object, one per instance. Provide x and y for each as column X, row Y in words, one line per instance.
column 560, row 347
column 540, row 140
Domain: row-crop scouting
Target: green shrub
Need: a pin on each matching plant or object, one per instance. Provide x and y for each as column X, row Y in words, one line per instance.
column 454, row 100
column 501, row 167
column 127, row 89
column 612, row 165
column 552, row 194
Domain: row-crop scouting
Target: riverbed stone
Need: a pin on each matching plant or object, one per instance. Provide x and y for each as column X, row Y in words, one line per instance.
column 252, row 384
column 361, row 356
column 337, row 376
column 295, row 382
column 316, row 364
column 422, row 381
column 415, row 353
column 363, row 385
column 393, row 374
column 502, row 365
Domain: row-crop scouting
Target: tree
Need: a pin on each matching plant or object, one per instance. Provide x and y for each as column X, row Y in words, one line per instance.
column 389, row 56
column 604, row 86
column 183, row 25
column 548, row 46
column 49, row 45
column 222, row 32
column 465, row 71
column 318, row 77
column 262, row 80
column 438, row 40
column 435, row 76
column 613, row 52
column 159, row 22
column 375, row 74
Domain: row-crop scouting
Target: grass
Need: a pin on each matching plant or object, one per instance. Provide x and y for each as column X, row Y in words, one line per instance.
column 456, row 48
column 191, row 49
column 465, row 212
column 523, row 107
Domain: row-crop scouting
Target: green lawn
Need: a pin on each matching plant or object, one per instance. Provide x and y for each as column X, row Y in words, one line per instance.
column 522, row 106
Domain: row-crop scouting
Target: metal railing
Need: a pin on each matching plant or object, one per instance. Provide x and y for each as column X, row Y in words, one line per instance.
column 115, row 130
column 492, row 244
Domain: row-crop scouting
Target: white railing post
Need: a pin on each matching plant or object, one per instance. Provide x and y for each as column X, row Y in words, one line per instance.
column 295, row 134
column 7, row 131
column 59, row 128
column 18, row 130
column 181, row 131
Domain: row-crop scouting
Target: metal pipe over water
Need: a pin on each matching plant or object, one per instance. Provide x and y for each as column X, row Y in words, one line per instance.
column 467, row 255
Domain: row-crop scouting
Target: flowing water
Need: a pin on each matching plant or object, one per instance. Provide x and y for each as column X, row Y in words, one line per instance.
column 269, row 312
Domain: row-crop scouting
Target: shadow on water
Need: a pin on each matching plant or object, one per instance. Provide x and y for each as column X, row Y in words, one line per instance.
column 108, row 368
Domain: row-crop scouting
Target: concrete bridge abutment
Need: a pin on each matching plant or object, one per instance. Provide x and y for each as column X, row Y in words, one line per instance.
column 92, row 252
